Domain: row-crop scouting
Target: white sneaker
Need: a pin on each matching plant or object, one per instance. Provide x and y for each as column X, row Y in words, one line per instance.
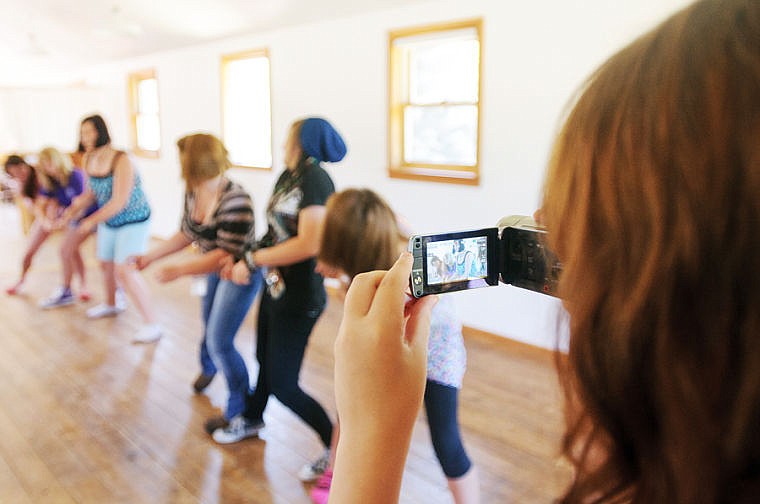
column 148, row 334
column 103, row 310
column 60, row 297
column 238, row 429
column 120, row 299
column 314, row 470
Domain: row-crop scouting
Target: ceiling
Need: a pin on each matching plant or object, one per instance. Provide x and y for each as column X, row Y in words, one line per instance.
column 43, row 41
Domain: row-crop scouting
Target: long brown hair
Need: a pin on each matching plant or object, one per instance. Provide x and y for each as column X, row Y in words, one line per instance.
column 294, row 150
column 99, row 124
column 30, row 186
column 360, row 232
column 652, row 203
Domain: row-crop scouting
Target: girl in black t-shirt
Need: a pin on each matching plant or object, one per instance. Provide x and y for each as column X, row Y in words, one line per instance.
column 293, row 302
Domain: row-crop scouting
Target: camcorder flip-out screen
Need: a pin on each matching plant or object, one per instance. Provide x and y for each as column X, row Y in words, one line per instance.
column 513, row 253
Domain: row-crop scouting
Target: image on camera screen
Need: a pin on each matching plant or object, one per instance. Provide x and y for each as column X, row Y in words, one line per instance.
column 457, row 260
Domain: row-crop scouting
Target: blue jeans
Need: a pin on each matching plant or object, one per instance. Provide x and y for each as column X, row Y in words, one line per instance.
column 224, row 308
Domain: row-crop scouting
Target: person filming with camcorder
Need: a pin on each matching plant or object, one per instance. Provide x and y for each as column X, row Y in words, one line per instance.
column 651, row 206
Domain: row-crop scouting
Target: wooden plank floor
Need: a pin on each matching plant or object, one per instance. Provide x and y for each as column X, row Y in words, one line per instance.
column 88, row 417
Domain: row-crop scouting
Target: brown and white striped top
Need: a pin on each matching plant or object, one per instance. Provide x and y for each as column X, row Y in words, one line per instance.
column 231, row 226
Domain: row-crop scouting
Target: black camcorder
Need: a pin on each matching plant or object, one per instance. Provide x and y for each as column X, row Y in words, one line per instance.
column 513, row 253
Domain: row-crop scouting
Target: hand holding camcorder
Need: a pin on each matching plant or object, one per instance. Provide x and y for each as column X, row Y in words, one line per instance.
column 514, row 253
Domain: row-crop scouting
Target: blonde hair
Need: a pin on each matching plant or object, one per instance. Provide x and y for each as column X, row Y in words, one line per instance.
column 294, row 141
column 202, row 157
column 652, row 205
column 61, row 161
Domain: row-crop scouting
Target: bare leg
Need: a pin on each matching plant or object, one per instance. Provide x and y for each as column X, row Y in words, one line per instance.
column 109, row 307
column 37, row 238
column 466, row 489
column 137, row 290
column 72, row 261
column 109, row 280
column 81, row 271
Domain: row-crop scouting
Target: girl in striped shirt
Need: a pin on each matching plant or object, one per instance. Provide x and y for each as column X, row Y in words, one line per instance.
column 218, row 217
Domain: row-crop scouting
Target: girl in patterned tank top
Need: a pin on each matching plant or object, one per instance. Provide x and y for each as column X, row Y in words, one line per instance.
column 122, row 221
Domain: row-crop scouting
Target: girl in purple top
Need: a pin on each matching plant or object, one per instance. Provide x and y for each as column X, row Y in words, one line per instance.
column 59, row 184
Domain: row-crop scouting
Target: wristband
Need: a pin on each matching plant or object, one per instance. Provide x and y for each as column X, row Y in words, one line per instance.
column 248, row 258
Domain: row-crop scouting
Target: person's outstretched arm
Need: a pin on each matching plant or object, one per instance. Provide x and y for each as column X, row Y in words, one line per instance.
column 380, row 370
column 173, row 244
column 299, row 247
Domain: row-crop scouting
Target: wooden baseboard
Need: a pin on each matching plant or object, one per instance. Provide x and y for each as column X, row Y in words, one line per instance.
column 516, row 346
column 472, row 333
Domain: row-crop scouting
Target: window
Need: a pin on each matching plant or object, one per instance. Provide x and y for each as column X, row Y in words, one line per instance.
column 143, row 100
column 247, row 109
column 434, row 102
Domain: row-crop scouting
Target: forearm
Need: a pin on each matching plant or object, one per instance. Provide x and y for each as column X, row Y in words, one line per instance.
column 202, row 264
column 303, row 245
column 52, row 210
column 105, row 212
column 175, row 243
column 77, row 206
column 40, row 208
column 291, row 251
column 369, row 467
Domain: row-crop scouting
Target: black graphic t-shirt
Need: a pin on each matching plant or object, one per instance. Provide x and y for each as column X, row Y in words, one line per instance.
column 307, row 185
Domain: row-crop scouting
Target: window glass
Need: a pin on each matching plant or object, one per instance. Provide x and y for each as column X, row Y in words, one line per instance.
column 434, row 106
column 444, row 71
column 147, row 93
column 246, row 113
column 446, row 135
column 146, row 124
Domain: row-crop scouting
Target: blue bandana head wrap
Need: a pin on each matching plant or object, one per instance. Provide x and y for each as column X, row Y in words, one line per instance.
column 320, row 140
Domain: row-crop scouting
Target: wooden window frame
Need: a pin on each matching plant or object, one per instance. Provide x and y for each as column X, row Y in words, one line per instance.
column 248, row 54
column 134, row 110
column 398, row 90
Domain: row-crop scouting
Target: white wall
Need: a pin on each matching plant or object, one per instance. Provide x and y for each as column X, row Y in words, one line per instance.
column 535, row 55
column 34, row 118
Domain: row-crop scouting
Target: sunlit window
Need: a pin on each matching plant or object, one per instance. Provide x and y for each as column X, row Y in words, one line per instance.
column 146, row 127
column 434, row 115
column 247, row 109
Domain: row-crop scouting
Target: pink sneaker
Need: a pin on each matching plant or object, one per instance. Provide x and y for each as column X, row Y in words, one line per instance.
column 320, row 493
